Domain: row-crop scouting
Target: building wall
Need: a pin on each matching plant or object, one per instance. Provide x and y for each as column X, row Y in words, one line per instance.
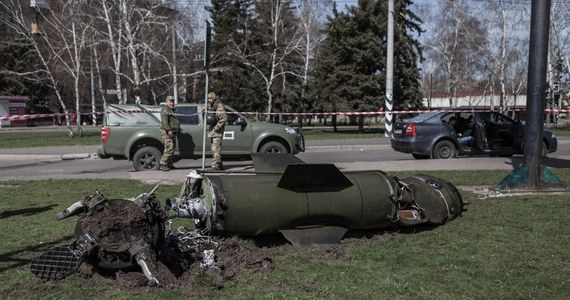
column 491, row 101
column 13, row 105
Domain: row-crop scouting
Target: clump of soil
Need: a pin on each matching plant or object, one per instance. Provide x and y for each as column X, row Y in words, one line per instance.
column 230, row 258
column 124, row 231
column 176, row 260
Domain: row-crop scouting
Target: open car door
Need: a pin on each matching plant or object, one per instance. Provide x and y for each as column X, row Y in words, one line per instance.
column 518, row 134
column 479, row 128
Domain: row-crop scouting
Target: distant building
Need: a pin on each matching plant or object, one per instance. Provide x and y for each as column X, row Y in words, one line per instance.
column 473, row 99
column 13, row 105
column 513, row 105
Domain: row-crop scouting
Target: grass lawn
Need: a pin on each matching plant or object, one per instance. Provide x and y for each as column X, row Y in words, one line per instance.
column 560, row 131
column 37, row 138
column 501, row 248
column 32, row 138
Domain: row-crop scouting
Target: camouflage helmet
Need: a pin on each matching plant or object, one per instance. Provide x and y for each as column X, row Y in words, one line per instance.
column 212, row 95
column 211, row 119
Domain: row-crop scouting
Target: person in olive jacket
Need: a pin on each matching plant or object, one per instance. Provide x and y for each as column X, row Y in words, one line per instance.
column 169, row 127
column 216, row 129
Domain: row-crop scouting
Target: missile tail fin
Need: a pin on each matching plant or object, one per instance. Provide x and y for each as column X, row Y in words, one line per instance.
column 306, row 178
column 56, row 263
column 314, row 235
column 273, row 162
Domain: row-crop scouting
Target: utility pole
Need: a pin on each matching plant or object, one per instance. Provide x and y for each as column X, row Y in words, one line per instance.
column 174, row 75
column 207, row 71
column 430, row 90
column 389, row 104
column 538, row 55
column 92, row 82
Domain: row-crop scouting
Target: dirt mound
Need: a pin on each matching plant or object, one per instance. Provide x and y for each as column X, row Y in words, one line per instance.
column 185, row 260
column 179, row 265
column 173, row 259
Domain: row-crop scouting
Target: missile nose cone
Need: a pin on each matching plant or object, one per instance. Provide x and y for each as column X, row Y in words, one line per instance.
column 439, row 200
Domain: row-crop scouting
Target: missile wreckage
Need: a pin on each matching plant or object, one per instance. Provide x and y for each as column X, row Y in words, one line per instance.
column 306, row 203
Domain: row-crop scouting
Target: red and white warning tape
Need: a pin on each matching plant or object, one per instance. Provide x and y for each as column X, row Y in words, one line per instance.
column 353, row 113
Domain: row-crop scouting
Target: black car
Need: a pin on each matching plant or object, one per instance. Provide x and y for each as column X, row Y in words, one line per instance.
column 433, row 135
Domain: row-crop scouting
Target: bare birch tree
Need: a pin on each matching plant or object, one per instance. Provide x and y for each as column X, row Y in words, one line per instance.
column 122, row 44
column 560, row 51
column 311, row 19
column 281, row 40
column 49, row 55
column 505, row 43
column 560, row 31
column 138, row 38
column 112, row 38
column 65, row 33
column 448, row 44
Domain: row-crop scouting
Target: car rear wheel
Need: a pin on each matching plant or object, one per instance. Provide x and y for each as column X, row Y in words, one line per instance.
column 147, row 158
column 273, row 147
column 444, row 150
column 420, row 156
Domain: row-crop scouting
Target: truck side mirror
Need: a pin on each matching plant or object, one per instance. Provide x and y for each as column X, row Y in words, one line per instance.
column 241, row 122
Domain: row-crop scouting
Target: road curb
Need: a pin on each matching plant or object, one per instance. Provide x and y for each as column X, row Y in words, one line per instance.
column 45, row 157
column 75, row 156
column 72, row 156
column 346, row 148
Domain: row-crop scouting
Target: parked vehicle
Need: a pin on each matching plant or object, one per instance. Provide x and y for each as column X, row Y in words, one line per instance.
column 133, row 132
column 476, row 132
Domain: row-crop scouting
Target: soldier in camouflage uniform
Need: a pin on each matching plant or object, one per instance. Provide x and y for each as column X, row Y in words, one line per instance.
column 169, row 127
column 216, row 129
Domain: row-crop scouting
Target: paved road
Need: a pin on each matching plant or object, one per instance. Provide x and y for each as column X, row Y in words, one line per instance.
column 353, row 154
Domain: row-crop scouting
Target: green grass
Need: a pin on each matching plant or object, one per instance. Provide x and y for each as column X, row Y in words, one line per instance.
column 31, row 138
column 91, row 136
column 501, row 248
column 37, row 138
column 343, row 132
column 560, row 131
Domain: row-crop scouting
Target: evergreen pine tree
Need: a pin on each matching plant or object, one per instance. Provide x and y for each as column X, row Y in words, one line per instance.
column 232, row 25
column 351, row 71
column 253, row 47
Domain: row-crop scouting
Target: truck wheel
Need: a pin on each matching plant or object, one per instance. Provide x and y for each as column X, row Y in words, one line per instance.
column 273, row 147
column 147, row 158
column 444, row 150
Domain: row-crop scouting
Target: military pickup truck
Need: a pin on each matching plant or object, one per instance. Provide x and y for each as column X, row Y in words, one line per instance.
column 132, row 132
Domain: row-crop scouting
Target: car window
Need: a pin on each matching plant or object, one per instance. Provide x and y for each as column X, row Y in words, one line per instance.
column 485, row 117
column 462, row 119
column 500, row 119
column 187, row 115
column 423, row 117
column 232, row 119
column 445, row 118
column 466, row 115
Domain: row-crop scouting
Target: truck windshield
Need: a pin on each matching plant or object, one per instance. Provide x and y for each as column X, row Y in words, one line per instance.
column 187, row 115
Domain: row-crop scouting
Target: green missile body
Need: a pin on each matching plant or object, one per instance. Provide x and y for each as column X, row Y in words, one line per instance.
column 314, row 203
